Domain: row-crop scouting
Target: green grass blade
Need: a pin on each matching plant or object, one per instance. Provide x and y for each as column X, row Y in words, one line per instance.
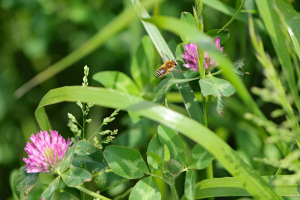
column 112, row 28
column 272, row 23
column 229, row 186
column 247, row 176
column 291, row 19
column 188, row 96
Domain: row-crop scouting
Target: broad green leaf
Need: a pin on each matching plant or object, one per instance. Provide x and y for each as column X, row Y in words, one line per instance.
column 175, row 145
column 235, row 165
column 69, row 156
column 76, row 176
column 117, row 24
column 118, row 81
column 88, row 157
column 189, row 185
column 229, row 187
column 49, row 192
column 142, row 65
column 145, row 189
column 157, row 159
column 125, row 162
column 192, row 106
column 157, row 148
column 188, row 18
column 218, row 88
column 223, row 35
column 24, row 182
column 200, row 158
column 272, row 23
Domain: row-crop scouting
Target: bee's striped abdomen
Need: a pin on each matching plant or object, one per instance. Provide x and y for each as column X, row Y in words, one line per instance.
column 161, row 72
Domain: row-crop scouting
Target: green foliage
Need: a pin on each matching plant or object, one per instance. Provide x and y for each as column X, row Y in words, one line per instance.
column 49, row 192
column 88, row 157
column 145, row 189
column 218, row 88
column 75, row 176
column 24, row 182
column 125, row 162
column 179, row 141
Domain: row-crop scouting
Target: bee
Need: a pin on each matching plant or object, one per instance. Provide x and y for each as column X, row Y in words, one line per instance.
column 166, row 68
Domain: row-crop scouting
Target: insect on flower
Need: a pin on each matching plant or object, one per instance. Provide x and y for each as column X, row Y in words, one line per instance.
column 166, row 68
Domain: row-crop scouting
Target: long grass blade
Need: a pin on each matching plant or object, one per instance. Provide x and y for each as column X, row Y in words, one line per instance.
column 247, row 176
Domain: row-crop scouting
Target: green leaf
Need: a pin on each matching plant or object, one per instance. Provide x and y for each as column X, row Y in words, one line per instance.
column 125, row 162
column 218, row 88
column 76, row 176
column 175, row 145
column 222, row 35
column 290, row 18
column 166, row 153
column 179, row 51
column 187, row 18
column 145, row 189
column 49, row 192
column 88, row 157
column 69, row 156
column 142, row 65
column 192, row 106
column 24, row 182
column 157, row 148
column 230, row 187
column 238, row 66
column 165, row 84
column 117, row 80
column 200, row 158
column 189, row 185
column 272, row 21
column 235, row 165
column 157, row 159
column 116, row 25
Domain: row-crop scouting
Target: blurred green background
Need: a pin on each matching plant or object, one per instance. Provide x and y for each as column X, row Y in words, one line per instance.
column 35, row 34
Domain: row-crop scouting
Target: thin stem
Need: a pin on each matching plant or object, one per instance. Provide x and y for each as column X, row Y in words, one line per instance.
column 83, row 119
column 93, row 194
column 174, row 192
column 216, row 73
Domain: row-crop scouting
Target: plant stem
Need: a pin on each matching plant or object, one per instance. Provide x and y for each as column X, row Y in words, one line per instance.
column 174, row 192
column 93, row 194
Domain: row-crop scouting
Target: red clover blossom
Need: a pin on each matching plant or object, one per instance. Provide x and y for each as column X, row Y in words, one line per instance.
column 45, row 153
column 191, row 56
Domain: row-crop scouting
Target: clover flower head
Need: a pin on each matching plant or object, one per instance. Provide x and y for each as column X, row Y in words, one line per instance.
column 46, row 152
column 208, row 61
column 191, row 56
